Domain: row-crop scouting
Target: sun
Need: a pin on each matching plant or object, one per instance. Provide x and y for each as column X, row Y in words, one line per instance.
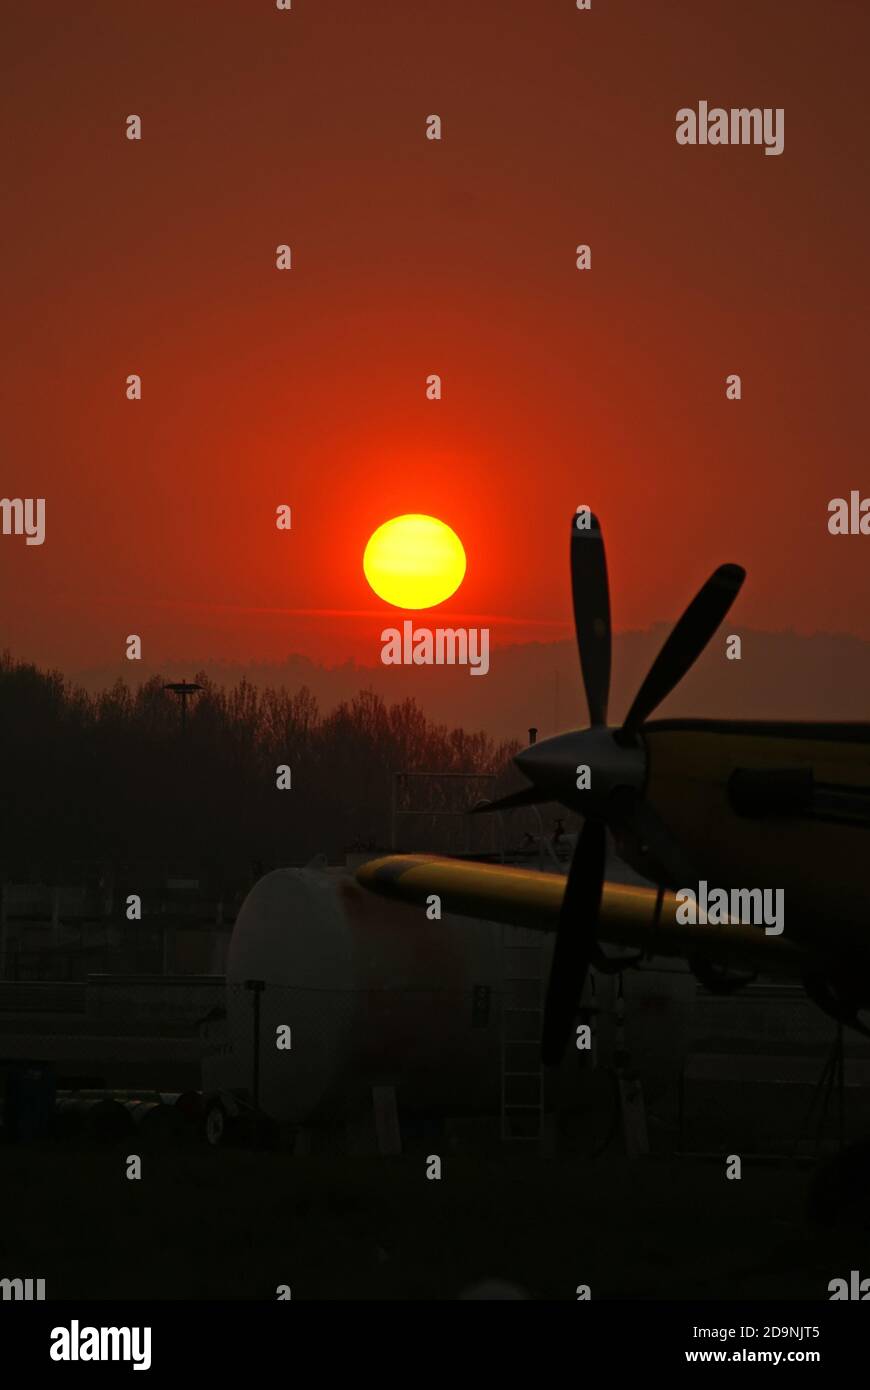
column 414, row 561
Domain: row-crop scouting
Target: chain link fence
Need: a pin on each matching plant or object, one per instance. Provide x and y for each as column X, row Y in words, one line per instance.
column 742, row 1074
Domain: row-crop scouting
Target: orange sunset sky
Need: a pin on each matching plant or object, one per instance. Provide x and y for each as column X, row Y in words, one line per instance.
column 410, row 257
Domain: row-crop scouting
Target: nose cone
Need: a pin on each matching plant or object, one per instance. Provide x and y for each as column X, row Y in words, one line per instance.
column 556, row 765
column 549, row 765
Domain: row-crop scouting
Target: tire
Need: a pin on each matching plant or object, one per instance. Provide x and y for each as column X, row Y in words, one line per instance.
column 216, row 1125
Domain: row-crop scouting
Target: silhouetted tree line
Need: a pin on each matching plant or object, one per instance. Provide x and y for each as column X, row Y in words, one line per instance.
column 109, row 777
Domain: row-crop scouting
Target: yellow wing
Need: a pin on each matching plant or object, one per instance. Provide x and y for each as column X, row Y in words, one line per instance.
column 526, row 898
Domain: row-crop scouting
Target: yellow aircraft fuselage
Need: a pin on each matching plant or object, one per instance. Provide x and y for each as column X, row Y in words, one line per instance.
column 772, row 805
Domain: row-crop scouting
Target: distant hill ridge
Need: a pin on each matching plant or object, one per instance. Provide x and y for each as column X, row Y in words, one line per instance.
column 781, row 675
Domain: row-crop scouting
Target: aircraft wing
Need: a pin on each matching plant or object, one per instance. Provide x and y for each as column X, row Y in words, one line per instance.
column 532, row 899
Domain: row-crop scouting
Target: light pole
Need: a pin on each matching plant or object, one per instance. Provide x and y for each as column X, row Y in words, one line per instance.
column 257, row 986
column 183, row 689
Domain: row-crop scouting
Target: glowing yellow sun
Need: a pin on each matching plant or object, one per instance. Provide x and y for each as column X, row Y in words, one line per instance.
column 414, row 561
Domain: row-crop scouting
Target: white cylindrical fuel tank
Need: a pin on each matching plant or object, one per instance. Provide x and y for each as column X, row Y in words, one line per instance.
column 373, row 993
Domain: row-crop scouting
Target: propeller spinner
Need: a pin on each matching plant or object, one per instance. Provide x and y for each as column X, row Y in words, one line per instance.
column 616, row 761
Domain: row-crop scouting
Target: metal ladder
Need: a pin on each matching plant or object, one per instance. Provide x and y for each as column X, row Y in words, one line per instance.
column 522, row 1016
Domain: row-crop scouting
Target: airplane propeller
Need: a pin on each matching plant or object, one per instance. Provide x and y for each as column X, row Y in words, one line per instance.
column 616, row 762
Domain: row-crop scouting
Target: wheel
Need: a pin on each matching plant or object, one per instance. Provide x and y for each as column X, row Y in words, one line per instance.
column 216, row 1126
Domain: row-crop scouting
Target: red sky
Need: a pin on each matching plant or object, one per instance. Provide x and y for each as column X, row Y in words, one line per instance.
column 410, row 257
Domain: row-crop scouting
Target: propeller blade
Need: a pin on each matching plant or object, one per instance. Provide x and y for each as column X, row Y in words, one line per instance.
column 591, row 597
column 576, row 940
column 685, row 644
column 664, row 847
column 527, row 796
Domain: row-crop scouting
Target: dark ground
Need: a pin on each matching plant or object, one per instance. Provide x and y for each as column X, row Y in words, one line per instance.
column 235, row 1224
